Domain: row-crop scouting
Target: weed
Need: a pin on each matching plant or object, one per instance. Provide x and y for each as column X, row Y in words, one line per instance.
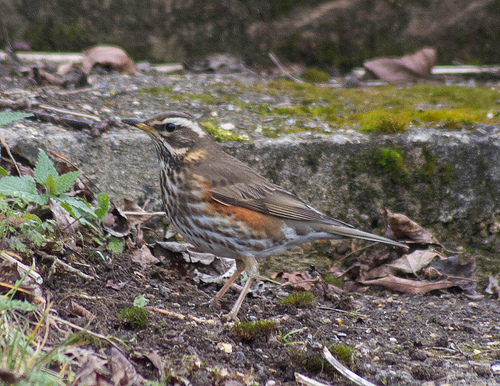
column 315, row 75
column 136, row 316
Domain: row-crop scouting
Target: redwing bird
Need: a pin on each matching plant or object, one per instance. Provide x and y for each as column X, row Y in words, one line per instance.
column 222, row 206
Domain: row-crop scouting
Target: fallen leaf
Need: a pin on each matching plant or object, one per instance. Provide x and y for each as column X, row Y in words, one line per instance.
column 91, row 367
column 458, row 269
column 407, row 264
column 123, row 372
column 401, row 228
column 493, row 288
column 158, row 361
column 78, row 310
column 142, row 256
column 394, row 283
column 116, row 286
column 300, row 281
column 110, row 57
column 408, row 68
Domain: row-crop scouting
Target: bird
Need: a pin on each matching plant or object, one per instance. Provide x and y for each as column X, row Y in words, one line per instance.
column 224, row 207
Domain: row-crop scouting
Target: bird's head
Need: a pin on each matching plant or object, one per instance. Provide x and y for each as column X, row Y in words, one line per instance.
column 175, row 134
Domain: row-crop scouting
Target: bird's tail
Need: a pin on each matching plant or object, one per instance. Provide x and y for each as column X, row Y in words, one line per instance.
column 356, row 233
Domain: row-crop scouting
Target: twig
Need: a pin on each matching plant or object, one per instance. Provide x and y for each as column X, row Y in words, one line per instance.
column 13, row 258
column 74, row 123
column 179, row 316
column 64, row 111
column 342, row 311
column 151, row 214
column 86, row 331
column 353, row 377
column 303, row 380
column 66, row 266
column 282, row 69
column 4, row 144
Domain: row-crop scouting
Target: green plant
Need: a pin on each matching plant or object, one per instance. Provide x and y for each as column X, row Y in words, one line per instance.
column 136, row 316
column 24, row 354
column 55, row 187
column 284, row 337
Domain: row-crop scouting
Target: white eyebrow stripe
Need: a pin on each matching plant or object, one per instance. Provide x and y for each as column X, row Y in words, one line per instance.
column 187, row 123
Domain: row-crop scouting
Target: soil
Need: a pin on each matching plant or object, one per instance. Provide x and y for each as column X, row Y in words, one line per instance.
column 397, row 339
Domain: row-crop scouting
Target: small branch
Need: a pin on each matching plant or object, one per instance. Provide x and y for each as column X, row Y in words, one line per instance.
column 66, row 266
column 179, row 316
column 353, row 377
column 64, row 111
column 12, row 257
column 282, row 69
column 303, row 380
column 4, row 144
column 73, row 123
column 85, row 331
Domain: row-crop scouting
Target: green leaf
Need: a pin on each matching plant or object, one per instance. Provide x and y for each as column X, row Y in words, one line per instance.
column 115, row 245
column 23, row 187
column 3, row 172
column 141, row 301
column 12, row 117
column 3, row 204
column 44, row 168
column 102, row 205
column 65, row 182
column 76, row 206
column 50, row 184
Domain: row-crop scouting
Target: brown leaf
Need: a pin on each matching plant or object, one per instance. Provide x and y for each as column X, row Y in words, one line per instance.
column 458, row 269
column 116, row 286
column 300, row 281
column 408, row 68
column 158, row 361
column 407, row 264
column 401, row 228
column 91, row 367
column 110, row 57
column 78, row 310
column 142, row 256
column 123, row 372
column 394, row 283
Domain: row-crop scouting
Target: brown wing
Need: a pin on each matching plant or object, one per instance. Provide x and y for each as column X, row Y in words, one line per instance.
column 267, row 198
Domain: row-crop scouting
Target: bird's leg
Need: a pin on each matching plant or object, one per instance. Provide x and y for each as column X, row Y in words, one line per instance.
column 252, row 269
column 240, row 268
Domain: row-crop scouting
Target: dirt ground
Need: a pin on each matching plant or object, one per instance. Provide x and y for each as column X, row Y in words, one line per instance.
column 440, row 338
column 397, row 339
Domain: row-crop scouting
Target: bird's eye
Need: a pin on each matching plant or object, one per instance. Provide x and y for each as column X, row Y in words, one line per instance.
column 170, row 127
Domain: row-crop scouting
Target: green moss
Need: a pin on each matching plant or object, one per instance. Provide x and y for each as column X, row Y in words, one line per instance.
column 309, row 361
column 219, row 134
column 299, row 299
column 344, row 353
column 428, row 170
column 383, row 121
column 391, row 162
column 315, row 75
column 250, row 330
column 330, row 278
column 448, row 174
column 135, row 317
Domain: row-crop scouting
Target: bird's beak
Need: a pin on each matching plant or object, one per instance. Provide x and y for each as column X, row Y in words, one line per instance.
column 137, row 123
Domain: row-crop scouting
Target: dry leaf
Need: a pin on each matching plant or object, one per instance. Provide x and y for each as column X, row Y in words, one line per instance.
column 300, row 281
column 111, row 57
column 123, row 372
column 408, row 68
column 91, row 367
column 158, row 361
column 394, row 283
column 407, row 264
column 111, row 284
column 142, row 256
column 401, row 228
column 78, row 310
column 458, row 269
